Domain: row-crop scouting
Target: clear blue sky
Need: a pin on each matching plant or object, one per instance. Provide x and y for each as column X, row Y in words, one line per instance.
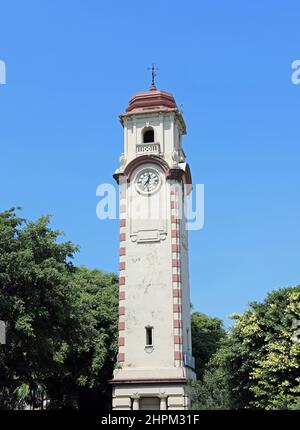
column 71, row 68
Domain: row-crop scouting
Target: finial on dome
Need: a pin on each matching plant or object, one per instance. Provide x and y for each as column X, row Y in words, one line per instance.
column 154, row 74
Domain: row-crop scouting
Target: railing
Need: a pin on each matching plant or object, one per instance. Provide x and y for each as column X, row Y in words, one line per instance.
column 148, row 148
column 189, row 360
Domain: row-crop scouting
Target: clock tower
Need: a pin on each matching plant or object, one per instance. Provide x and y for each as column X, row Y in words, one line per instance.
column 155, row 359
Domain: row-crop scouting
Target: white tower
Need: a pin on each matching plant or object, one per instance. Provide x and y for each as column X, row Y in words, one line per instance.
column 154, row 360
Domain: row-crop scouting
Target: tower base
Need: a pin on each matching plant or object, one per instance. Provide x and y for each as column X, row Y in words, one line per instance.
column 168, row 394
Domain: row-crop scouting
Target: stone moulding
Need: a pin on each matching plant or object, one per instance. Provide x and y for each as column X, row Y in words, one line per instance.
column 176, row 173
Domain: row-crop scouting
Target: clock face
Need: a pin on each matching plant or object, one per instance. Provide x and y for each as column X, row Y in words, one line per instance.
column 148, row 180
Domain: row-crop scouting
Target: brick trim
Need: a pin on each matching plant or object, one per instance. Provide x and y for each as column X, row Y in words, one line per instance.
column 122, row 209
column 121, row 357
column 121, row 341
column 174, row 233
column 176, row 277
column 176, row 271
column 178, row 355
column 122, row 268
column 121, row 325
column 177, row 308
column 178, row 339
column 121, row 310
column 177, row 292
column 122, row 295
column 177, row 323
column 175, row 247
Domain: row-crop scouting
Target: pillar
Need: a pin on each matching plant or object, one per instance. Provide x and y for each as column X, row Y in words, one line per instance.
column 163, row 402
column 136, row 402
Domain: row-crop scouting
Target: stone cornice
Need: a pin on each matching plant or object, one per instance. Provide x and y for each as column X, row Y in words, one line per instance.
column 175, row 173
column 156, row 110
column 149, row 381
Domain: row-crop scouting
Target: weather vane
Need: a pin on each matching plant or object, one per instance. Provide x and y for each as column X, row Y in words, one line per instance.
column 153, row 73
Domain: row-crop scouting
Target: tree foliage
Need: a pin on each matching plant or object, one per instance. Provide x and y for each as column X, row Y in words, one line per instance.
column 209, row 391
column 207, row 334
column 258, row 364
column 61, row 320
column 212, row 391
column 265, row 357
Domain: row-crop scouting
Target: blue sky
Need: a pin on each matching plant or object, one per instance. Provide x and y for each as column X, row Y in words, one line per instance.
column 71, row 69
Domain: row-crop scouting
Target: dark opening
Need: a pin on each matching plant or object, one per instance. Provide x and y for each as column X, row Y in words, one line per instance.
column 149, row 404
column 149, row 336
column 149, row 136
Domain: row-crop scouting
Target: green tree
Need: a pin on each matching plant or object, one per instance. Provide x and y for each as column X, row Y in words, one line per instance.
column 207, row 334
column 258, row 364
column 90, row 363
column 212, row 391
column 265, row 356
column 35, row 302
column 61, row 320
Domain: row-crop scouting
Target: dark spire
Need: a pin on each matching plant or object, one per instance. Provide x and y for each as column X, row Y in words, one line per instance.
column 153, row 75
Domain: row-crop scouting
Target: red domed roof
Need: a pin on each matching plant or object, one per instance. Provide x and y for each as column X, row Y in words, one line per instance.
column 151, row 100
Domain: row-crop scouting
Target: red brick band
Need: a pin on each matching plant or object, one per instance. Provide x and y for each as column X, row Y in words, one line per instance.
column 178, row 339
column 121, row 310
column 177, row 292
column 177, row 308
column 121, row 325
column 121, row 341
column 176, row 277
column 177, row 323
column 122, row 295
column 174, row 233
column 176, row 274
column 121, row 357
column 178, row 355
column 122, row 209
column 175, row 247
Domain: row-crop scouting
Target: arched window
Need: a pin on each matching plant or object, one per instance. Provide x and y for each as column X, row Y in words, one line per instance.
column 148, row 135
